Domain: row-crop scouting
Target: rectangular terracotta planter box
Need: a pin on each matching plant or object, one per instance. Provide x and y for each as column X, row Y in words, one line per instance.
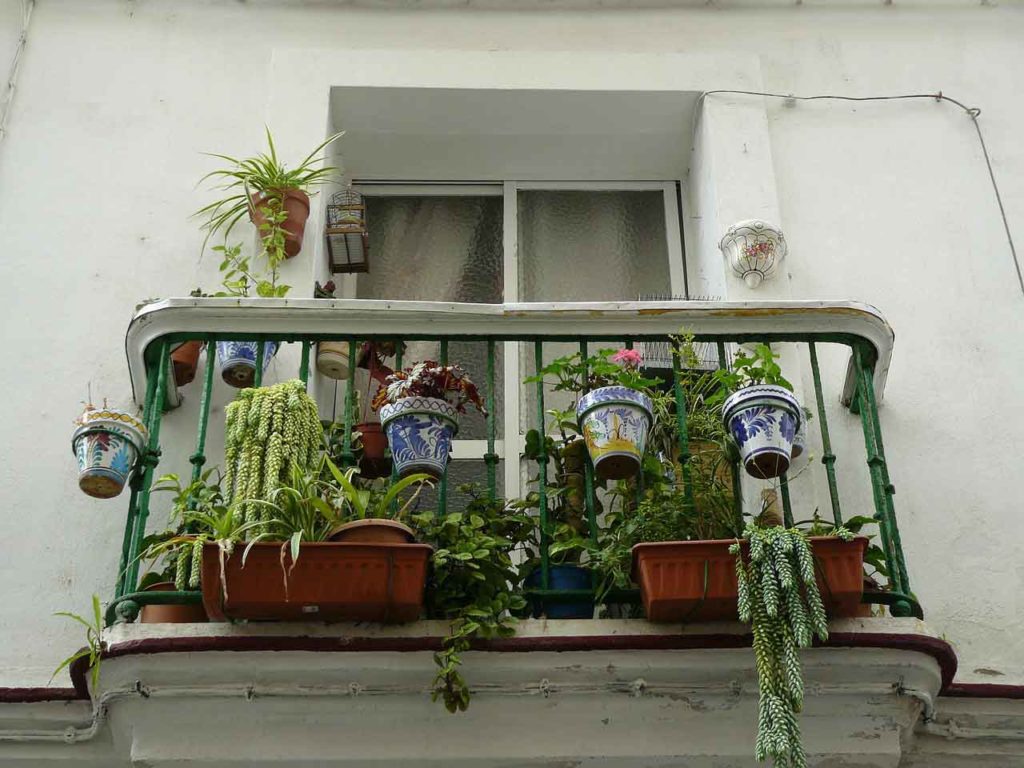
column 671, row 576
column 330, row 582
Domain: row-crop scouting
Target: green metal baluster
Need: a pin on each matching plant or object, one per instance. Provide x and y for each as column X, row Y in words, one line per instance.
column 198, row 459
column 542, row 466
column 491, row 458
column 737, row 486
column 150, row 460
column 881, row 486
column 304, row 364
column 828, row 458
column 442, row 485
column 589, row 502
column 257, row 379
column 684, row 435
column 348, row 458
column 787, row 506
column 136, row 486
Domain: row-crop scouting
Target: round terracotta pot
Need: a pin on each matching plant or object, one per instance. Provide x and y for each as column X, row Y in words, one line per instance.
column 170, row 614
column 185, row 360
column 374, row 462
column 373, row 530
column 296, row 205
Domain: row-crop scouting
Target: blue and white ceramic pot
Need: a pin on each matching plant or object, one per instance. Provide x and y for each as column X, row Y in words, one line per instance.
column 107, row 444
column 420, row 432
column 764, row 421
column 614, row 422
column 800, row 439
column 237, row 361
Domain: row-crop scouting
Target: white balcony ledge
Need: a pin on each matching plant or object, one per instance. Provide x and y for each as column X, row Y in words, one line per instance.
column 561, row 693
column 313, row 317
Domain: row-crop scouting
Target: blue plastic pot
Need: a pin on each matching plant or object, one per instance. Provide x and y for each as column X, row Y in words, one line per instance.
column 562, row 577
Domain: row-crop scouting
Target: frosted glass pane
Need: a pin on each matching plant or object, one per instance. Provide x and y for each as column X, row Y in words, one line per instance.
column 591, row 246
column 440, row 249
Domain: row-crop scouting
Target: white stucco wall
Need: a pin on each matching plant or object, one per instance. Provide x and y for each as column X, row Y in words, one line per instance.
column 887, row 203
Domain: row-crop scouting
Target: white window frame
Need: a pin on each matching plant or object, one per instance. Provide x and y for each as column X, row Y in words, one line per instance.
column 513, row 438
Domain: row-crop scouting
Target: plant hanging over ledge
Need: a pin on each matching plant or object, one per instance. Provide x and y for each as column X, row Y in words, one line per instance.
column 778, row 596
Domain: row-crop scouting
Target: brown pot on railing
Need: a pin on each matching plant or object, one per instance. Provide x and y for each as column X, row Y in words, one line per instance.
column 185, row 360
column 374, row 461
column 329, row 582
column 170, row 614
column 696, row 580
column 373, row 530
column 296, row 206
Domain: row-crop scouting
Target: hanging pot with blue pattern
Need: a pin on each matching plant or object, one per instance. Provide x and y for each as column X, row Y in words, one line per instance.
column 107, row 444
column 237, row 361
column 614, row 422
column 763, row 420
column 420, row 432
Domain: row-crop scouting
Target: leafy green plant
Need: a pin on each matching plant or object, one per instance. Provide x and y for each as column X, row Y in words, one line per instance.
column 238, row 278
column 747, row 370
column 265, row 176
column 473, row 584
column 381, row 500
column 94, row 644
column 267, row 431
column 778, row 596
column 574, row 373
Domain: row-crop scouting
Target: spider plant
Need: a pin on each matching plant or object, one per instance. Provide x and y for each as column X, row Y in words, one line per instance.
column 364, row 503
column 94, row 643
column 264, row 173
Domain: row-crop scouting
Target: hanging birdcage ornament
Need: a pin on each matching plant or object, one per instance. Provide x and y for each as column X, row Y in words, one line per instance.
column 753, row 249
column 348, row 248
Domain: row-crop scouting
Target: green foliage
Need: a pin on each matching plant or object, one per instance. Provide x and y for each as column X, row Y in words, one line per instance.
column 263, row 175
column 573, row 373
column 380, row 500
column 268, row 430
column 473, row 583
column 750, row 369
column 94, row 644
column 238, row 278
column 778, row 596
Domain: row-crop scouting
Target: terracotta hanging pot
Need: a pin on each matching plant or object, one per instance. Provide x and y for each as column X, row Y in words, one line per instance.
column 170, row 614
column 185, row 360
column 374, row 461
column 296, row 206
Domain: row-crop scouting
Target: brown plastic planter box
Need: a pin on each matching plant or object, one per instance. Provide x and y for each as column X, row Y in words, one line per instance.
column 329, row 582
column 671, row 578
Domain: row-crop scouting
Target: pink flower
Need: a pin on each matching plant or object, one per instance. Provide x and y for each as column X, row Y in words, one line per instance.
column 628, row 358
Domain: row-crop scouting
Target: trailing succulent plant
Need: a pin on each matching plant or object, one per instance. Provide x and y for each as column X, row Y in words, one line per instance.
column 778, row 596
column 268, row 431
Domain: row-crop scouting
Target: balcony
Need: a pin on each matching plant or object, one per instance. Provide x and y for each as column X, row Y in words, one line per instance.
column 611, row 671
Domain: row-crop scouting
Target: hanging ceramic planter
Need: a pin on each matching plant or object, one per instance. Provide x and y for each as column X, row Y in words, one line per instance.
column 615, row 421
column 237, row 361
column 107, row 444
column 185, row 360
column 764, row 421
column 332, row 359
column 420, row 432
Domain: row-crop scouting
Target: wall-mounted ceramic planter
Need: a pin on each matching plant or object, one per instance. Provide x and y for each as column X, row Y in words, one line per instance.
column 329, row 582
column 237, row 360
column 296, row 206
column 696, row 580
column 615, row 422
column 107, row 444
column 420, row 432
column 763, row 421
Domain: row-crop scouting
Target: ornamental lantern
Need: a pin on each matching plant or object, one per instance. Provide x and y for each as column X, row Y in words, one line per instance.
column 753, row 249
column 347, row 242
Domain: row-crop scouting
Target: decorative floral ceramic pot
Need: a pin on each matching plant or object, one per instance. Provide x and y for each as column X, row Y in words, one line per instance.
column 107, row 444
column 615, row 421
column 800, row 439
column 238, row 361
column 764, row 421
column 420, row 432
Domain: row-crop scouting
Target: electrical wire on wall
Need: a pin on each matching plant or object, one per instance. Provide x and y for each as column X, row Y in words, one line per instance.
column 971, row 112
column 12, row 76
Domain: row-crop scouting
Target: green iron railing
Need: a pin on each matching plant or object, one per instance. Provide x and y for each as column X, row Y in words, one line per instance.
column 306, row 322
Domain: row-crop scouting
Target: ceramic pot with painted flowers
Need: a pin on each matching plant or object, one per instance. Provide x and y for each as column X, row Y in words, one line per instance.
column 615, row 421
column 763, row 420
column 237, row 360
column 107, row 443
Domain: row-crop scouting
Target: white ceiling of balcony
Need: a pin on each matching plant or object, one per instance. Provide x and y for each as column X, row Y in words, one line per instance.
column 463, row 134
